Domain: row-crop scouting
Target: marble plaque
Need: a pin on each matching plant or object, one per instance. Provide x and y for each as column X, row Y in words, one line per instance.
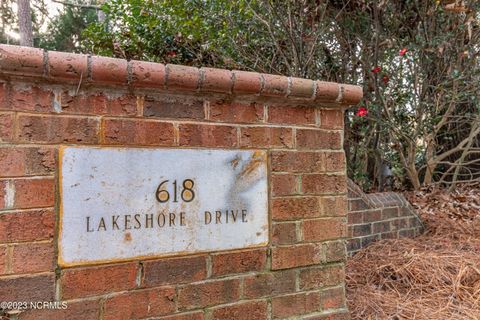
column 120, row 204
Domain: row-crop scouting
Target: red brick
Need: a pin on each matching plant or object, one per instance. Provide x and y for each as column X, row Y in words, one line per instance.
column 335, row 251
column 357, row 205
column 106, row 69
column 322, row 183
column 326, row 276
column 284, row 233
column 335, row 162
column 295, row 304
column 28, row 288
column 182, row 77
column 3, row 185
column 4, row 89
column 327, row 91
column 381, row 227
column 302, row 88
column 208, row 294
column 266, row 137
column 246, row 82
column 331, row 119
column 238, row 262
column 252, row 310
column 318, row 139
column 173, row 107
column 29, row 225
column 21, row 60
column 148, row 74
column 140, row 304
column 323, row 229
column 398, row 224
column 83, row 103
column 40, row 161
column 334, row 206
column 333, row 298
column 26, row 161
column 6, row 127
column 274, row 85
column 405, row 211
column 56, row 129
column 177, row 270
column 196, row 315
column 67, row 65
column 361, row 230
column 284, row 184
column 98, row 103
column 3, row 260
column 295, row 208
column 298, row 115
column 351, row 94
column 298, row 162
column 269, row 284
column 34, row 193
column 372, row 215
column 31, row 98
column 83, row 282
column 236, row 112
column 138, row 132
column 389, row 213
column 355, row 217
column 350, row 231
column 286, row 257
column 33, row 257
column 216, row 80
column 207, row 135
column 353, row 244
column 3, row 194
column 81, row 310
column 386, row 199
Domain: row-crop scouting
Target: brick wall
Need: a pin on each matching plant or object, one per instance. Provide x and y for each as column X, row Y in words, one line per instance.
column 51, row 99
column 376, row 216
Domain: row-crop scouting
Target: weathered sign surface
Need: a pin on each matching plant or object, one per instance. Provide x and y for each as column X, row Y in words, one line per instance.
column 126, row 203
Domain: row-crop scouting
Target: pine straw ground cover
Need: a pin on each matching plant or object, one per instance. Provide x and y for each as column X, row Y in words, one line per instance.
column 435, row 276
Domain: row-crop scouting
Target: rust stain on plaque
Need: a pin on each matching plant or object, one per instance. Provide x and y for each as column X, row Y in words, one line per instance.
column 258, row 158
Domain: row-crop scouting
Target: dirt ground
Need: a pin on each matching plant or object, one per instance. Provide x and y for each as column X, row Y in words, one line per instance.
column 435, row 276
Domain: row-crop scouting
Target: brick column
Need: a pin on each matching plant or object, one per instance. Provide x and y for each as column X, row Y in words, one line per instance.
column 52, row 99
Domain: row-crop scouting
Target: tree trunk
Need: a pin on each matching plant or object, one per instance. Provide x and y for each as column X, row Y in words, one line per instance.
column 431, row 164
column 100, row 13
column 25, row 23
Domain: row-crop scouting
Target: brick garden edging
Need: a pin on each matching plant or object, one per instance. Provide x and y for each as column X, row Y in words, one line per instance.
column 375, row 216
column 51, row 99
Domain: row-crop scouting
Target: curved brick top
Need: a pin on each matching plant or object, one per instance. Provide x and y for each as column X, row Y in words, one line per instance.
column 61, row 66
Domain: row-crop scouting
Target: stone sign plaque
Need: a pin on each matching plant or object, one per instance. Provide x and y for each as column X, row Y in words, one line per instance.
column 127, row 203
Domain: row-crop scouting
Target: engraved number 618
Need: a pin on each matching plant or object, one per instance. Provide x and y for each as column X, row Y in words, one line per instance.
column 187, row 194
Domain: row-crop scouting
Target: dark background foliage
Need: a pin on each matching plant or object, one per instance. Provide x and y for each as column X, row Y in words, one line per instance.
column 417, row 61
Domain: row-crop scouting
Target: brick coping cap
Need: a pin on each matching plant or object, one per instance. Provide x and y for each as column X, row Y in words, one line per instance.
column 82, row 68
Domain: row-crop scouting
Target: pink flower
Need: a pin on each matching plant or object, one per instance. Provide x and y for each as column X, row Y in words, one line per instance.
column 377, row 69
column 362, row 112
column 403, row 51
